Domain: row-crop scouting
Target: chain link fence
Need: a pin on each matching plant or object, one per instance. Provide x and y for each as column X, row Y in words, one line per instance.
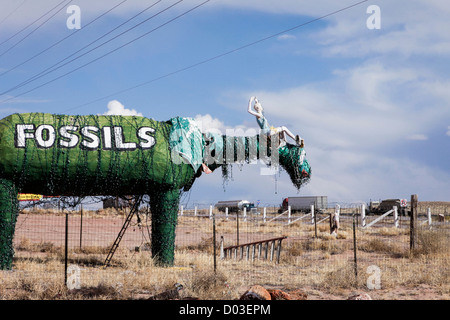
column 219, row 254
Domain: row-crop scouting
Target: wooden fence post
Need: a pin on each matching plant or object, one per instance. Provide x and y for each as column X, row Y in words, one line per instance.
column 363, row 215
column 289, row 214
column 264, row 214
column 395, row 216
column 413, row 222
column 312, row 214
column 429, row 216
column 272, row 249
column 222, row 253
column 315, row 226
column 279, row 251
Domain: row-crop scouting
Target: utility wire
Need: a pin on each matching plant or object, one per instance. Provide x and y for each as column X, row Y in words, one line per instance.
column 114, row 50
column 55, row 66
column 195, row 64
column 215, row 57
column 12, row 12
column 35, row 29
column 23, row 29
column 65, row 38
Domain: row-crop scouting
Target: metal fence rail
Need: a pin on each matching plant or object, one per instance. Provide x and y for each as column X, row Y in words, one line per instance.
column 259, row 249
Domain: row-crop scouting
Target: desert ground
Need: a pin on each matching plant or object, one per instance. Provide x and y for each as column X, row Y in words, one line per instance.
column 321, row 265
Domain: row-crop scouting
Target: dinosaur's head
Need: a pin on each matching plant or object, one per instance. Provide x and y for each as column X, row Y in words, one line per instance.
column 292, row 159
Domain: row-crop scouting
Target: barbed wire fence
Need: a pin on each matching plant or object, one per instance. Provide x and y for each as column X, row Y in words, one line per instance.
column 61, row 240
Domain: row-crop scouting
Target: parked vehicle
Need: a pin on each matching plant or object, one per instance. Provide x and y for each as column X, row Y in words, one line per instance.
column 115, row 202
column 234, row 205
column 304, row 203
column 388, row 204
column 373, row 206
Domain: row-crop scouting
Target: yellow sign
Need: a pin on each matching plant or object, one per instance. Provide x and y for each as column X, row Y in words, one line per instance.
column 29, row 197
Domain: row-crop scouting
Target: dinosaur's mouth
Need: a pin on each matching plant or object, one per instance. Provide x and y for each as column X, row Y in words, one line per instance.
column 298, row 169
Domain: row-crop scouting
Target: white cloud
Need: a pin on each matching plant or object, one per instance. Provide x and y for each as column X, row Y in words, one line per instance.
column 286, row 37
column 300, row 7
column 116, row 108
column 351, row 174
column 208, row 123
column 365, row 105
column 415, row 27
column 353, row 121
column 91, row 9
column 418, row 137
column 343, row 176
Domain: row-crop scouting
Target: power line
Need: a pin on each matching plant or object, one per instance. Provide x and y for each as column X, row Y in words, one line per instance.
column 193, row 65
column 216, row 57
column 35, row 29
column 12, row 12
column 114, row 50
column 55, row 66
column 23, row 29
column 65, row 38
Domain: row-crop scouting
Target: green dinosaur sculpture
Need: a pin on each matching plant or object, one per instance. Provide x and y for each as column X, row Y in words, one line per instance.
column 64, row 155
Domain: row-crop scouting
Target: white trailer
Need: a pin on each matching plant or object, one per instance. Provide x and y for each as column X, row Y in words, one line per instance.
column 233, row 205
column 305, row 203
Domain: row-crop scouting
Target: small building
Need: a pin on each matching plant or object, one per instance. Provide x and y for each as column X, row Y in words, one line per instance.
column 115, row 202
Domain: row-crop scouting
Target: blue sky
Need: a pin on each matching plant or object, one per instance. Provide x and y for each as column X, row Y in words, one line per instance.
column 371, row 104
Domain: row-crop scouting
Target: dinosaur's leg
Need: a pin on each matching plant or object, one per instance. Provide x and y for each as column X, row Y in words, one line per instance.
column 164, row 207
column 8, row 216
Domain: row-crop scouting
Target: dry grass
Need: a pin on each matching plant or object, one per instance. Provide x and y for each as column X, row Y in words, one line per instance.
column 323, row 265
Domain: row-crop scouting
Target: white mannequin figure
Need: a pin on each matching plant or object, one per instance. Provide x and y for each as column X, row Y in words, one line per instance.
column 264, row 125
column 334, row 221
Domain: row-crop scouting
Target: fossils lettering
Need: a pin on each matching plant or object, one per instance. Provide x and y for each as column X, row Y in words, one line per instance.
column 88, row 137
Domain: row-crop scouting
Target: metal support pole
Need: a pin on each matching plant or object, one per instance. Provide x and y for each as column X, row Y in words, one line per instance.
column 354, row 250
column 237, row 227
column 214, row 242
column 66, row 242
column 413, row 222
column 81, row 225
